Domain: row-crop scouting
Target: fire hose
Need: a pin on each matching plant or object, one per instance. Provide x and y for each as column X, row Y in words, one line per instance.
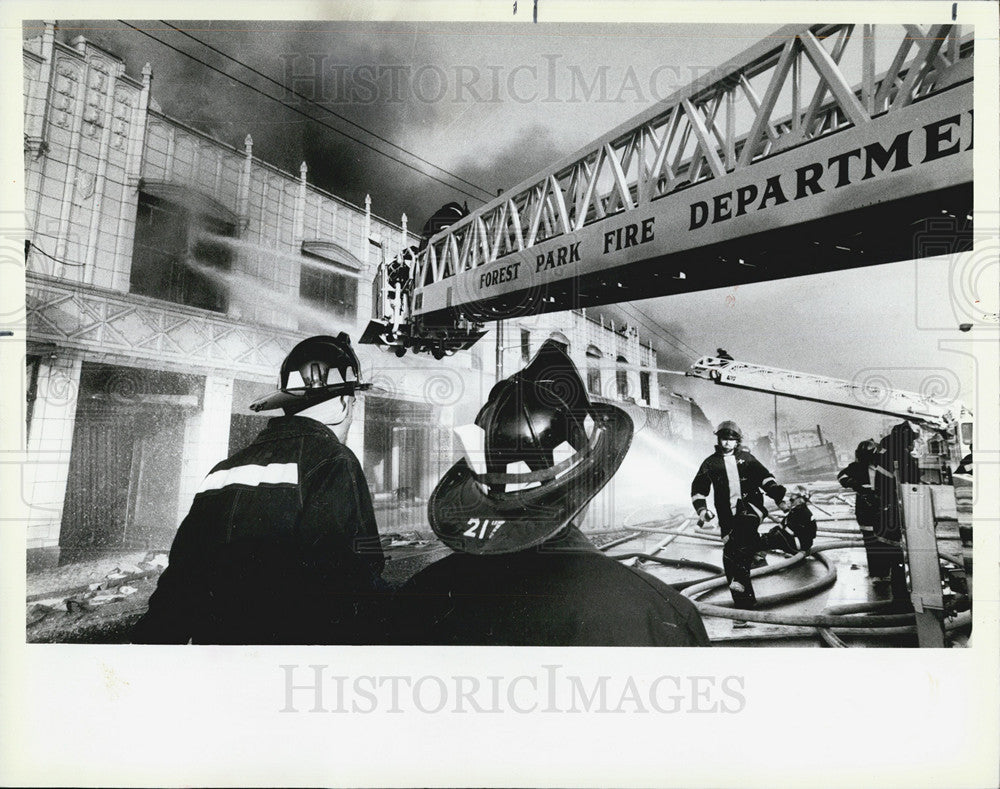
column 830, row 637
column 828, row 623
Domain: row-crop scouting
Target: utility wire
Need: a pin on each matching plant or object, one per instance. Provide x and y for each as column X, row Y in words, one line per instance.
column 659, row 330
column 324, row 107
column 29, row 245
column 295, row 109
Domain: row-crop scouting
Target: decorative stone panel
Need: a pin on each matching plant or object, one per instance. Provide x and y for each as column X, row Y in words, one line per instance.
column 97, row 91
column 109, row 322
column 121, row 116
column 64, row 92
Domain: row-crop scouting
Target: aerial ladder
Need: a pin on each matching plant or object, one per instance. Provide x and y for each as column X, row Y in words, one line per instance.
column 822, row 147
column 948, row 420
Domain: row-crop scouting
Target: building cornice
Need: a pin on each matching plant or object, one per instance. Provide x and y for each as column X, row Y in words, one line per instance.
column 111, row 324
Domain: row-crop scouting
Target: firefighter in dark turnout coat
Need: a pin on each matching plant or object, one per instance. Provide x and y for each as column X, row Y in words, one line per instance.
column 280, row 545
column 866, row 477
column 738, row 481
column 877, row 509
column 522, row 573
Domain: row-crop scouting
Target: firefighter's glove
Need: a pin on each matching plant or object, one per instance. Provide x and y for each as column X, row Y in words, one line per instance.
column 704, row 517
column 784, row 506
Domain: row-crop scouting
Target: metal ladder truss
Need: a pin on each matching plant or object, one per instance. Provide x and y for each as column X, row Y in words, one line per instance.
column 796, row 88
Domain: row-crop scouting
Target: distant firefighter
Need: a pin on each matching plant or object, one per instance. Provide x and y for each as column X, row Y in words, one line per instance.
column 738, row 481
column 861, row 477
column 522, row 572
column 876, row 506
column 899, row 452
column 798, row 528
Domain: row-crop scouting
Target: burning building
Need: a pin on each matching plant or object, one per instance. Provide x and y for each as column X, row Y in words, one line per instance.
column 168, row 273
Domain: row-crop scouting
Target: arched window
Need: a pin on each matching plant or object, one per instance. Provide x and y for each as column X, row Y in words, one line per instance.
column 560, row 338
column 328, row 281
column 594, row 357
column 621, row 378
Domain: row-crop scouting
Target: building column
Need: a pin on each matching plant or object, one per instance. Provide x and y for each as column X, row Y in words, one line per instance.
column 97, row 204
column 206, row 439
column 366, row 246
column 125, row 233
column 72, row 162
column 300, row 206
column 244, row 196
column 37, row 98
column 50, row 444
column 368, row 227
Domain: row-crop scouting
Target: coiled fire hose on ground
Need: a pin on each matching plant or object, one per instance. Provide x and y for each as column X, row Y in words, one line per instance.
column 830, row 637
column 828, row 624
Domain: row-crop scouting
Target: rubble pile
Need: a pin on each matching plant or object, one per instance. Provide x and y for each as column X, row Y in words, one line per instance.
column 405, row 539
column 115, row 586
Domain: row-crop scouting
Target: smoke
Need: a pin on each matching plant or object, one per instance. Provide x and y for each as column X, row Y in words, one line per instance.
column 674, row 347
column 320, row 61
column 528, row 151
column 250, row 293
column 260, row 258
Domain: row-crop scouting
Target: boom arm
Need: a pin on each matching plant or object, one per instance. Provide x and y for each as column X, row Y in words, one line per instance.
column 935, row 413
column 715, row 186
column 721, row 185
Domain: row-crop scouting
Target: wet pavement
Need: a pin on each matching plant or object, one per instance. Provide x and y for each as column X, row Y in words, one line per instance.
column 98, row 601
column 852, row 585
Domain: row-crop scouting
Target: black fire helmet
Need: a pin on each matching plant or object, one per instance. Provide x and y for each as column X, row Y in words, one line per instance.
column 311, row 360
column 867, row 451
column 525, row 418
column 729, row 429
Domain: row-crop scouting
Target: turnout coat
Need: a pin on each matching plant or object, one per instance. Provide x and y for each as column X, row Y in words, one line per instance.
column 280, row 546
column 753, row 478
column 877, row 504
column 562, row 593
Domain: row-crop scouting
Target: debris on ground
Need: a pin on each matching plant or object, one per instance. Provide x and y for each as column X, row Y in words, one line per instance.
column 115, row 586
column 154, row 560
column 403, row 539
column 602, row 537
column 38, row 612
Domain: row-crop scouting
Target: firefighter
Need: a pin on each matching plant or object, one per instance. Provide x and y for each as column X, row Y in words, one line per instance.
column 863, row 476
column 899, row 452
column 965, row 465
column 280, row 545
column 522, row 573
column 898, row 465
column 797, row 530
column 400, row 285
column 737, row 479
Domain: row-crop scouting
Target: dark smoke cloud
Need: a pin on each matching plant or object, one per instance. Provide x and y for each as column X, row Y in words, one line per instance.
column 676, row 347
column 671, row 341
column 219, row 106
column 529, row 151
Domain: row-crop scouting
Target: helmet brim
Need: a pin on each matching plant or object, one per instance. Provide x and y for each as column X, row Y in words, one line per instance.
column 304, row 397
column 459, row 507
